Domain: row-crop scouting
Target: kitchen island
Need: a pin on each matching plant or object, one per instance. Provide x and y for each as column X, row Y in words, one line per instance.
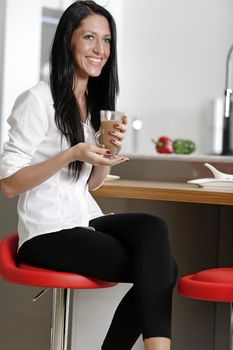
column 200, row 222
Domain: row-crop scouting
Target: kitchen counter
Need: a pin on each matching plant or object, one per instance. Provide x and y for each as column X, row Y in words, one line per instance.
column 165, row 191
column 184, row 158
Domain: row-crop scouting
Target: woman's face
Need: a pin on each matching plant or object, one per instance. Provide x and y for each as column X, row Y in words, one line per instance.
column 90, row 44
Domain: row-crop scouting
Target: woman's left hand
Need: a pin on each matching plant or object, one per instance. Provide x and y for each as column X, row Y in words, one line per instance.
column 118, row 132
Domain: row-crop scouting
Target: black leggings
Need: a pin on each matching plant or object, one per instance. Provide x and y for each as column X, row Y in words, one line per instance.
column 123, row 248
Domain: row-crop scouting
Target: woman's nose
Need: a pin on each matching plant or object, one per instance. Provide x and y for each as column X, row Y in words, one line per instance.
column 99, row 47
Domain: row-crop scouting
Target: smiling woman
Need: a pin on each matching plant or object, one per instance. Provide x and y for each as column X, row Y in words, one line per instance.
column 51, row 161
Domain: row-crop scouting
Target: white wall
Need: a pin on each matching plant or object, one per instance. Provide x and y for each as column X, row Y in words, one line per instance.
column 20, row 48
column 56, row 4
column 174, row 64
column 2, row 42
column 21, row 55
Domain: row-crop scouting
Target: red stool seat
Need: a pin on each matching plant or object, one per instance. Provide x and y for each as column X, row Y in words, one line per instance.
column 33, row 276
column 212, row 284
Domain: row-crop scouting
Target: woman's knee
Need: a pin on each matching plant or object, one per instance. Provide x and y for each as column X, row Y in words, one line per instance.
column 150, row 232
column 151, row 226
column 149, row 221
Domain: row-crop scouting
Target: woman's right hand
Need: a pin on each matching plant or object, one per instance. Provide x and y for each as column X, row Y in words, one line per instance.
column 94, row 155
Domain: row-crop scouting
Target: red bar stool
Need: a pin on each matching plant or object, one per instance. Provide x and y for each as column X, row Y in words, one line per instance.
column 61, row 282
column 211, row 285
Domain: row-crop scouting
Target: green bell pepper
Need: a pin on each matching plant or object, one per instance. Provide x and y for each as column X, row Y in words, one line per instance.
column 183, row 146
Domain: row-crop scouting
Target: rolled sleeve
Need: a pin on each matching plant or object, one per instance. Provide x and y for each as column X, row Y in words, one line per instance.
column 28, row 125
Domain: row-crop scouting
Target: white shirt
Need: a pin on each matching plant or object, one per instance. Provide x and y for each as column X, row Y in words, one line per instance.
column 59, row 202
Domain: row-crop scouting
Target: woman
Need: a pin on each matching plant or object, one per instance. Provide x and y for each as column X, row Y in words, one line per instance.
column 51, row 161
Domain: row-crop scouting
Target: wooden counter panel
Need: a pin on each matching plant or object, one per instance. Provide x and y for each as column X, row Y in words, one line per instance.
column 164, row 191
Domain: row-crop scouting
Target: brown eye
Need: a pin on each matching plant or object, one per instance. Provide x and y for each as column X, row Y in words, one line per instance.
column 108, row 40
column 89, row 37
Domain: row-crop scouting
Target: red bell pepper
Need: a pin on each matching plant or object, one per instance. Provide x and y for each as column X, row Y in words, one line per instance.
column 164, row 145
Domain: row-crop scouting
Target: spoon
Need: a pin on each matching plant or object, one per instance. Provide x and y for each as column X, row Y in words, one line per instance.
column 218, row 174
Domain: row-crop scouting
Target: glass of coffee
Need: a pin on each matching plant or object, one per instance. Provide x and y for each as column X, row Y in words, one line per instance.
column 103, row 137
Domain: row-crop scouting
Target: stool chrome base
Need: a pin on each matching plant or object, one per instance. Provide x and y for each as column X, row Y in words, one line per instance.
column 60, row 319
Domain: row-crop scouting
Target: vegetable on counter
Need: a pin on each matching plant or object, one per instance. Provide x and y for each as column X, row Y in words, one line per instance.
column 179, row 146
column 163, row 145
column 183, row 146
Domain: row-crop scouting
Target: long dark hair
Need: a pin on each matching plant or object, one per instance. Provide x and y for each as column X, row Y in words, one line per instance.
column 102, row 90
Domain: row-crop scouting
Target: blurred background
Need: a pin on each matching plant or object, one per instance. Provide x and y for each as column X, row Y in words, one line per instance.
column 172, row 60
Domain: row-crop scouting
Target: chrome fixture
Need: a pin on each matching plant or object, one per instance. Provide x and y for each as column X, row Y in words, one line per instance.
column 137, row 125
column 228, row 113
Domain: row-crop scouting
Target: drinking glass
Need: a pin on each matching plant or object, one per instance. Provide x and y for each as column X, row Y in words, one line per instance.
column 103, row 137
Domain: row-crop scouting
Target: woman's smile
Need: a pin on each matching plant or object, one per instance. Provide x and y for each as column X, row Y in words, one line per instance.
column 94, row 60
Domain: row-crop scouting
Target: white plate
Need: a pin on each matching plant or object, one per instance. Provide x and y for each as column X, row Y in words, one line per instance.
column 112, row 177
column 212, row 182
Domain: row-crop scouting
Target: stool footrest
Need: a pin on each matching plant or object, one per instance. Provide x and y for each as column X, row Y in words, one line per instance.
column 42, row 292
